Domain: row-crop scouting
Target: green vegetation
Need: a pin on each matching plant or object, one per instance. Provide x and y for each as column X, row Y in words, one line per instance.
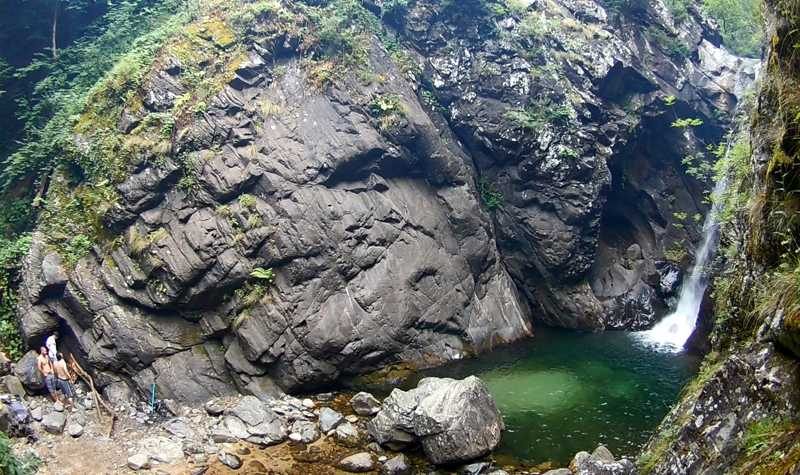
column 686, row 122
column 699, row 167
column 679, row 9
column 741, row 24
column 252, row 293
column 491, row 197
column 11, row 464
column 344, row 29
column 11, row 253
column 539, row 114
column 535, row 26
column 673, row 46
column 265, row 276
column 388, row 109
column 760, row 434
column 677, row 253
column 626, row 7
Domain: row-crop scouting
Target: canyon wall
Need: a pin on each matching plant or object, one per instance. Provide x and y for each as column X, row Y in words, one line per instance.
column 465, row 172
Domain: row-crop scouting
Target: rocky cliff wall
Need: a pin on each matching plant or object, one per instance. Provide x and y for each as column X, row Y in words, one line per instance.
column 740, row 414
column 462, row 171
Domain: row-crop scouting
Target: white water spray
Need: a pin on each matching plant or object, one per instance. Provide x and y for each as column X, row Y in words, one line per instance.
column 674, row 330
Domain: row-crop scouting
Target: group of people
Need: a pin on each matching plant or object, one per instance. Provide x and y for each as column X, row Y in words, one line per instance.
column 56, row 374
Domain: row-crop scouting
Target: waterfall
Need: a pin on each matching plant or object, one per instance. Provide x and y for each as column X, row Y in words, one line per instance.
column 674, row 329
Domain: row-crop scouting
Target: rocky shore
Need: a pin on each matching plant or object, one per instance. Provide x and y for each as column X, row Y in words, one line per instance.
column 441, row 426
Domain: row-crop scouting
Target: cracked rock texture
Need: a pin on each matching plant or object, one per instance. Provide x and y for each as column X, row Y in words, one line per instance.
column 378, row 231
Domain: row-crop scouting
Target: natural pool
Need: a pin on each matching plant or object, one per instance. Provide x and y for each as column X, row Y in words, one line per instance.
column 562, row 392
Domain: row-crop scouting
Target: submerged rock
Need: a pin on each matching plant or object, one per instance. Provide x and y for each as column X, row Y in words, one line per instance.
column 230, row 460
column 329, row 419
column 454, row 420
column 357, row 463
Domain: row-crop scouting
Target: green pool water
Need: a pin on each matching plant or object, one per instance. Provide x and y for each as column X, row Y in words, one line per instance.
column 562, row 392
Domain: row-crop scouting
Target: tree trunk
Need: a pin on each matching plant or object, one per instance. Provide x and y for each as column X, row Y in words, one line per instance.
column 53, row 48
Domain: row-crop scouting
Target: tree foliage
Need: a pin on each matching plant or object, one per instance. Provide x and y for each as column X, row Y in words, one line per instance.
column 740, row 23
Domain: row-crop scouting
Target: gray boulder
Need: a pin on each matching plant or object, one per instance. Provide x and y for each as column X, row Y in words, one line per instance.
column 139, row 461
column 365, row 404
column 13, row 385
column 75, row 430
column 306, row 431
column 601, row 462
column 215, row 407
column 179, row 428
column 398, row 465
column 5, row 364
column 250, row 410
column 329, row 419
column 347, row 434
column 54, row 422
column 454, row 420
column 15, row 419
column 357, row 463
column 230, row 460
column 559, row 471
column 28, row 374
column 162, row 449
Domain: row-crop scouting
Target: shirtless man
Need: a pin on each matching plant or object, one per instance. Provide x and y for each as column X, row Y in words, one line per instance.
column 46, row 368
column 63, row 384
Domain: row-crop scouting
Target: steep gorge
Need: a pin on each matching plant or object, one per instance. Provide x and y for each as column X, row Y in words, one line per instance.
column 425, row 183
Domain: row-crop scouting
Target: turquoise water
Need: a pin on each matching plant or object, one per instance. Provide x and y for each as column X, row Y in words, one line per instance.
column 562, row 392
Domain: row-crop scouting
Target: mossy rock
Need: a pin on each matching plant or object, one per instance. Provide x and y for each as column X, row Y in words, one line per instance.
column 216, row 31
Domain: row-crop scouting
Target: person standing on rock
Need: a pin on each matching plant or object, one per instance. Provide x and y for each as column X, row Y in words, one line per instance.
column 45, row 367
column 50, row 343
column 62, row 373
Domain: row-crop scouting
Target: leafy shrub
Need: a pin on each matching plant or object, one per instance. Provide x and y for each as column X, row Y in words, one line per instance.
column 76, row 248
column 263, row 275
column 248, row 201
column 394, row 8
column 683, row 123
column 11, row 255
column 11, row 464
column 343, row 29
column 492, row 198
column 539, row 114
column 676, row 253
column 389, row 110
column 697, row 166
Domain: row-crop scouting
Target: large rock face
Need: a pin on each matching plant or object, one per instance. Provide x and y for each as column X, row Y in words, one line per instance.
column 711, row 428
column 376, row 198
column 454, row 421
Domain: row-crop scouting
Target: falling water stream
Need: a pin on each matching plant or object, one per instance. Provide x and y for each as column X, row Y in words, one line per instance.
column 674, row 330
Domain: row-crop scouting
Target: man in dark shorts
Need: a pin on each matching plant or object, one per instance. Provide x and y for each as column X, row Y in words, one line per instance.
column 46, row 368
column 63, row 384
